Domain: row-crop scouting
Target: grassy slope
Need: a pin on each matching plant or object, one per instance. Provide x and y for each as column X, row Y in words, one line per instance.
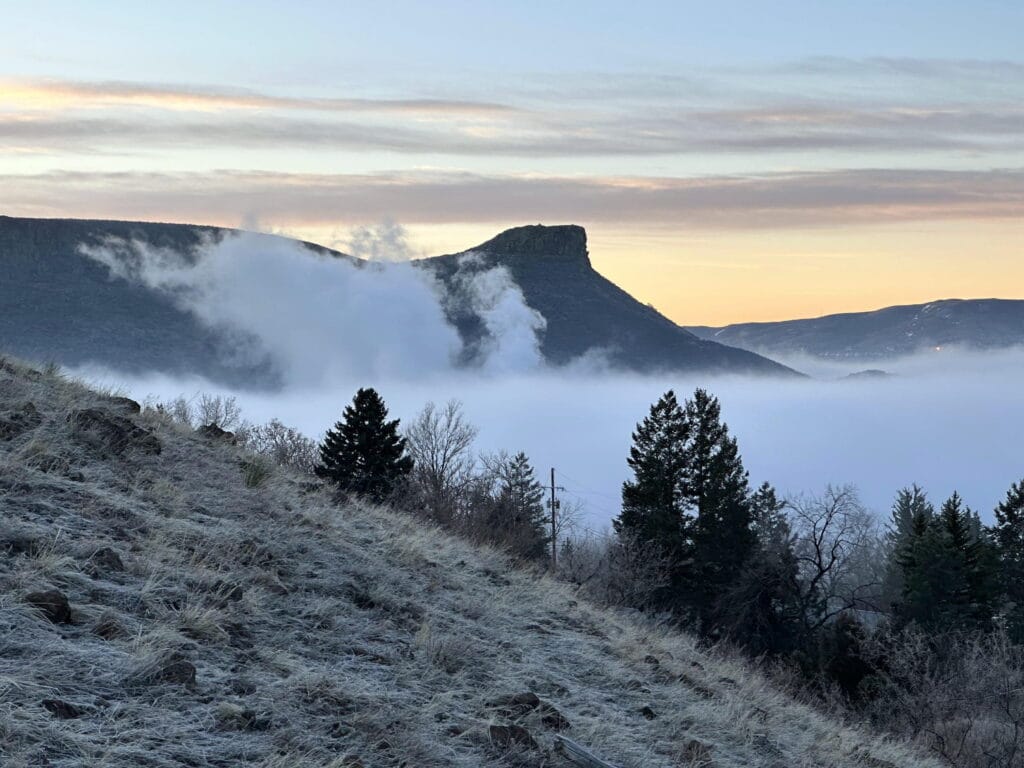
column 362, row 638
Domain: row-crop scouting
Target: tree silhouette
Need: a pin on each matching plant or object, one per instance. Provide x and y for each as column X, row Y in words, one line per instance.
column 364, row 454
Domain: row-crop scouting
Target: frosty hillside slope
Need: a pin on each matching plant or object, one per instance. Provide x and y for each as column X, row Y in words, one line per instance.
column 318, row 636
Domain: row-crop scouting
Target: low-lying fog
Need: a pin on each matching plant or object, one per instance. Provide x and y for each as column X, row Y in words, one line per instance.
column 947, row 420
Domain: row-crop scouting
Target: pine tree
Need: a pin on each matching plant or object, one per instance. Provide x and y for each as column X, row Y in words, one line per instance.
column 762, row 610
column 364, row 454
column 521, row 505
column 767, row 520
column 910, row 505
column 655, row 509
column 911, row 557
column 948, row 573
column 717, row 488
column 1008, row 536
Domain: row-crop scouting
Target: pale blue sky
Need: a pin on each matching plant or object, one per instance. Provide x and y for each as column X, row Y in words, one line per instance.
column 381, row 44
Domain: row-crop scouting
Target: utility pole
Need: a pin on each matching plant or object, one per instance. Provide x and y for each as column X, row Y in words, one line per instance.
column 554, row 529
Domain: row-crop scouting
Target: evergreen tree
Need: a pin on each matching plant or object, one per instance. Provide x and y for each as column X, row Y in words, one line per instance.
column 655, row 509
column 521, row 509
column 912, row 558
column 947, row 572
column 762, row 610
column 690, row 496
column 364, row 454
column 911, row 505
column 716, row 487
column 1008, row 536
column 768, row 522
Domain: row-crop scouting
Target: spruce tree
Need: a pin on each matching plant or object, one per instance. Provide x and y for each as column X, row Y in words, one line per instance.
column 1008, row 538
column 364, row 454
column 948, row 572
column 762, row 611
column 912, row 557
column 521, row 504
column 717, row 489
column 655, row 509
column 911, row 504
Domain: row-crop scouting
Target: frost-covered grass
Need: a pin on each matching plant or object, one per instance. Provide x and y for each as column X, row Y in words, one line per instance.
column 323, row 636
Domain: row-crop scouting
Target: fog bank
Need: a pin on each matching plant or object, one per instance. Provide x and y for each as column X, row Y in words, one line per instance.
column 946, row 420
column 944, row 429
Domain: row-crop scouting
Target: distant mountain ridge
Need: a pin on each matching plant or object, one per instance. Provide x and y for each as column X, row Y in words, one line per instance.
column 981, row 324
column 56, row 304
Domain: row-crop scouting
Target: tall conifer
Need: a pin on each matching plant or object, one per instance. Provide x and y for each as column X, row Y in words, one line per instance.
column 364, row 454
column 1008, row 536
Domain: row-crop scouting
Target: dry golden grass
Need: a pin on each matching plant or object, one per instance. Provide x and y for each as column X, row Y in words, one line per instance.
column 324, row 636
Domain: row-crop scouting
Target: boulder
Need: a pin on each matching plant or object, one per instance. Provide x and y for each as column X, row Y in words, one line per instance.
column 126, row 404
column 111, row 433
column 520, row 705
column 52, row 604
column 214, row 432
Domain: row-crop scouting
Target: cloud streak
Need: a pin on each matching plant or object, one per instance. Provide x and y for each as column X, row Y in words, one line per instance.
column 80, row 95
column 739, row 202
column 779, row 128
column 813, row 106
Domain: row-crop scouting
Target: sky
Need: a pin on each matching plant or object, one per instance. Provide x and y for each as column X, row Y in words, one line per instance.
column 732, row 161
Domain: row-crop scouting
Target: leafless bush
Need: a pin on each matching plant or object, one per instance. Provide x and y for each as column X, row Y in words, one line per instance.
column 282, row 445
column 961, row 696
column 202, row 409
column 274, row 441
column 222, row 411
column 617, row 571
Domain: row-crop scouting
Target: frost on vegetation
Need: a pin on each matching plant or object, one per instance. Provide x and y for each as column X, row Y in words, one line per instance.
column 211, row 620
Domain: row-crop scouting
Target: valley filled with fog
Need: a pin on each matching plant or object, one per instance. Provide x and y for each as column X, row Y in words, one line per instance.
column 945, row 419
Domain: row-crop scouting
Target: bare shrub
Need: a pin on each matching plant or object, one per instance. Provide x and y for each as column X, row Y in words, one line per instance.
column 619, row 571
column 203, row 409
column 222, row 411
column 440, row 442
column 284, row 446
column 960, row 695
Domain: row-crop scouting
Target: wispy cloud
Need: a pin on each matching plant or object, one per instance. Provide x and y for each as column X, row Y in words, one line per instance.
column 783, row 128
column 81, row 95
column 585, row 117
column 733, row 202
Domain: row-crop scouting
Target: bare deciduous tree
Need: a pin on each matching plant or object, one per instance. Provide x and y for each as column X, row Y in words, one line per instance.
column 836, row 544
column 440, row 441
